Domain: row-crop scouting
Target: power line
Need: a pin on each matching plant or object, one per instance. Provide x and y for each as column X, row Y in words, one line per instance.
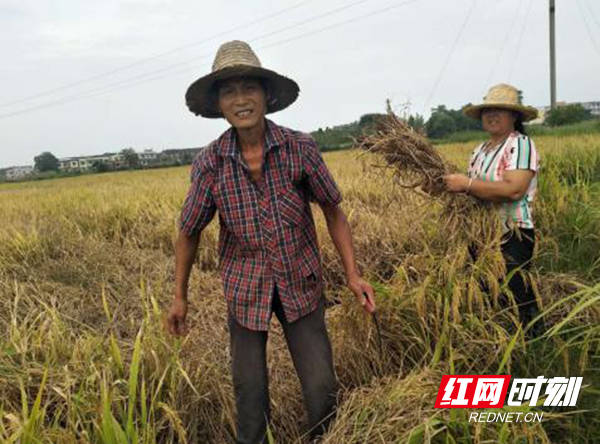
column 496, row 61
column 593, row 14
column 344, row 22
column 449, row 56
column 128, row 83
column 308, row 20
column 151, row 74
column 521, row 34
column 154, row 57
column 255, row 39
column 587, row 27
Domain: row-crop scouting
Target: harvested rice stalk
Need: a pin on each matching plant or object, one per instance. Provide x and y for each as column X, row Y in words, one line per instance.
column 417, row 164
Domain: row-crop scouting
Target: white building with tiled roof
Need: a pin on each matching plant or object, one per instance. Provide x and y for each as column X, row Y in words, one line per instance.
column 18, row 172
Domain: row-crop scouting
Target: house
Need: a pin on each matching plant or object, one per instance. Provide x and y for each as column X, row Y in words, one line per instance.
column 179, row 156
column 148, row 157
column 115, row 161
column 592, row 107
column 68, row 163
column 541, row 117
column 85, row 163
column 111, row 159
column 18, row 172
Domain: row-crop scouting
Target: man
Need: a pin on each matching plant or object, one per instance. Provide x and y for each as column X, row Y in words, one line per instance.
column 260, row 177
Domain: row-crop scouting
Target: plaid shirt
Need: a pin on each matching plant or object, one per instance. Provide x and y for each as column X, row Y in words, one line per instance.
column 267, row 233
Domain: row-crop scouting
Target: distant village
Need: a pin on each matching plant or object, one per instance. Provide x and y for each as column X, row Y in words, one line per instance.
column 125, row 159
column 148, row 158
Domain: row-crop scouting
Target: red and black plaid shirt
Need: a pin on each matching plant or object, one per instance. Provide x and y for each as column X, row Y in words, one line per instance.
column 267, row 234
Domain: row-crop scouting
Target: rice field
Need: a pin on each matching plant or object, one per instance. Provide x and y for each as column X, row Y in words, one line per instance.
column 86, row 274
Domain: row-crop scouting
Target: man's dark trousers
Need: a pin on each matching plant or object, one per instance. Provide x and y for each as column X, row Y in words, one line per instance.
column 310, row 349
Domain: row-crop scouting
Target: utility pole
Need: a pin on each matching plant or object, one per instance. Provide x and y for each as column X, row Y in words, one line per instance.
column 552, row 59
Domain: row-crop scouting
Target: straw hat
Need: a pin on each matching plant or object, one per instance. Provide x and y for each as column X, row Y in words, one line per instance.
column 502, row 96
column 234, row 59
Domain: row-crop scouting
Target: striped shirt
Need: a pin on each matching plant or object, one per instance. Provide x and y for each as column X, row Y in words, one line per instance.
column 516, row 152
column 267, row 233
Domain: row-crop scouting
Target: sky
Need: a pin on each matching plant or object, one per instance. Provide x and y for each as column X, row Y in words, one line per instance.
column 81, row 77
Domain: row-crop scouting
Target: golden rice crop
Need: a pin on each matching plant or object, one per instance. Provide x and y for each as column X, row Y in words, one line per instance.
column 86, row 272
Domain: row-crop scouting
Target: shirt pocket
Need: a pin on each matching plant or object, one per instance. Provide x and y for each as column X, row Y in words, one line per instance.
column 291, row 207
column 292, row 237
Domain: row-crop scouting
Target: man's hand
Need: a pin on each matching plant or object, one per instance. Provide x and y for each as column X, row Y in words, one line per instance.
column 176, row 318
column 363, row 291
column 185, row 253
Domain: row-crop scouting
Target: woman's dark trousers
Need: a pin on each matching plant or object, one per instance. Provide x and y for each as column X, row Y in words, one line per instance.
column 517, row 249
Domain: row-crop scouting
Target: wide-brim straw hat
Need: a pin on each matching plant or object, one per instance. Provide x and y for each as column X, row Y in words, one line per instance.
column 235, row 59
column 505, row 97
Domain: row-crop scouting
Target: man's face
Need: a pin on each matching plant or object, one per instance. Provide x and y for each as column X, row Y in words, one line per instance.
column 242, row 101
column 497, row 121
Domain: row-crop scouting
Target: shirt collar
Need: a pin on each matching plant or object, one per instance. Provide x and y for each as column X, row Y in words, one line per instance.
column 229, row 146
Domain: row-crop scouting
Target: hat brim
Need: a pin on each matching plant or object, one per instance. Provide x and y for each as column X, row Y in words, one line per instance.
column 201, row 98
column 474, row 111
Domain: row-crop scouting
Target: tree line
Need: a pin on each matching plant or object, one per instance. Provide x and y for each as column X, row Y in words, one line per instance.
column 442, row 123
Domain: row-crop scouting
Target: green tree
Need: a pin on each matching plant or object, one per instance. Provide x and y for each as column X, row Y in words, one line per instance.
column 444, row 121
column 337, row 137
column 440, row 123
column 187, row 158
column 132, row 160
column 46, row 162
column 100, row 166
column 464, row 123
column 563, row 115
column 370, row 122
column 416, row 122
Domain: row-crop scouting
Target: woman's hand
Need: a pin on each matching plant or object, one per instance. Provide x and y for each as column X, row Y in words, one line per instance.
column 456, row 183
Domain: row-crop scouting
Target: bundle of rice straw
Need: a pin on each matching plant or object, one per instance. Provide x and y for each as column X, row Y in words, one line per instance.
column 418, row 165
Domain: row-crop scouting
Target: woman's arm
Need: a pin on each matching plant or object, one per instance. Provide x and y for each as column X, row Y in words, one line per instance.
column 513, row 186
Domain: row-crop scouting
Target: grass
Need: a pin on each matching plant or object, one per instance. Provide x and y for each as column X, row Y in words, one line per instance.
column 86, row 266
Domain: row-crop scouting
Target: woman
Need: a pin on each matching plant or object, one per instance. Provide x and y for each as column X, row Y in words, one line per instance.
column 503, row 170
